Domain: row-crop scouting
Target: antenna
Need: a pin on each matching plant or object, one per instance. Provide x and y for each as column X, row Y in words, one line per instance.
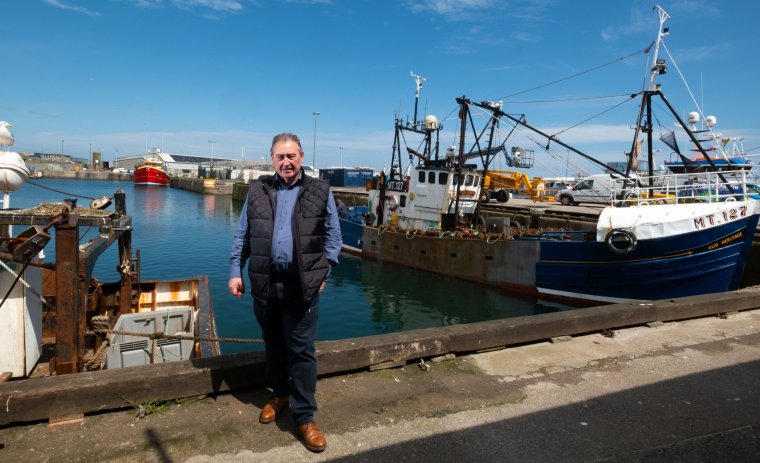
column 419, row 80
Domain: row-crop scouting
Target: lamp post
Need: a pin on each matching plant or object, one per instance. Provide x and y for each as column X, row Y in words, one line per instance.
column 211, row 164
column 314, row 151
column 340, row 148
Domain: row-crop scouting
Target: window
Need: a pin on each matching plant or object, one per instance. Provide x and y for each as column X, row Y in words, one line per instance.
column 585, row 185
column 421, row 176
column 431, row 177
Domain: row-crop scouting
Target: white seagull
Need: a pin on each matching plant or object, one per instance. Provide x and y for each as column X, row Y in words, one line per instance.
column 6, row 137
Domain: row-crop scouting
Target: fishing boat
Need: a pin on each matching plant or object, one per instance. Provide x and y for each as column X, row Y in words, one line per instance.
column 152, row 171
column 658, row 237
column 710, row 150
column 63, row 320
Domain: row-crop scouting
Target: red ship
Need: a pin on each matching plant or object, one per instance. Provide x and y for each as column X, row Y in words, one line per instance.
column 151, row 172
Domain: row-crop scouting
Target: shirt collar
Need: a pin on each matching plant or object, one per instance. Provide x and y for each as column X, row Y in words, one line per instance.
column 282, row 185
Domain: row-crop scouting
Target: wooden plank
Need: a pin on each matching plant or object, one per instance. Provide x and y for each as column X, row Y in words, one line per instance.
column 42, row 398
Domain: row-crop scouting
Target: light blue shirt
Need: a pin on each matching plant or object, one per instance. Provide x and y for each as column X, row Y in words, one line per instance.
column 282, row 236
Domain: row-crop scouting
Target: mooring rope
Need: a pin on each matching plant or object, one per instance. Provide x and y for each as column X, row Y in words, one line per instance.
column 101, row 324
column 178, row 336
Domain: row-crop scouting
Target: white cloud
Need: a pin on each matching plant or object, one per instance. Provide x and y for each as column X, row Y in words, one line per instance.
column 229, row 6
column 74, row 8
column 449, row 7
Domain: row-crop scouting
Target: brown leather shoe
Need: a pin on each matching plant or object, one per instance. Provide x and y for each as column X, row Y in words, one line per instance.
column 272, row 409
column 313, row 439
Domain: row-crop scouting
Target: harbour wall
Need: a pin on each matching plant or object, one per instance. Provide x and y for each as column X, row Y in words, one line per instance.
column 87, row 175
column 204, row 186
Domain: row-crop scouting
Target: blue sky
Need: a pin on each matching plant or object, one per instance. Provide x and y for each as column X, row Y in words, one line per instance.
column 192, row 76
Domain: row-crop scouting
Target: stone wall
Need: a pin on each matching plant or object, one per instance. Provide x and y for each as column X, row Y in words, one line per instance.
column 204, row 186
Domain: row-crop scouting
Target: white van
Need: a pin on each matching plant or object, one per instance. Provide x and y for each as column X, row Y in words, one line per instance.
column 598, row 188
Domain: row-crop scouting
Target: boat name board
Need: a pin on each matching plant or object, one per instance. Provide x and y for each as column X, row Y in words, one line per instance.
column 727, row 240
column 721, row 217
column 398, row 185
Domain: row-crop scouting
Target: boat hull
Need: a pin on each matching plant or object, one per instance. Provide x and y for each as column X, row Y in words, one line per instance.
column 150, row 176
column 705, row 261
column 700, row 262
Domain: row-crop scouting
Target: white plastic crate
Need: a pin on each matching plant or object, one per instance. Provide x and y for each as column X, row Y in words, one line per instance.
column 128, row 350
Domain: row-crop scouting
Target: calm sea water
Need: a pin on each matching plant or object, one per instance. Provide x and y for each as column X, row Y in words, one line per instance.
column 182, row 234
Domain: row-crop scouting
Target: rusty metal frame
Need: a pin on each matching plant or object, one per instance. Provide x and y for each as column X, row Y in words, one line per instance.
column 74, row 267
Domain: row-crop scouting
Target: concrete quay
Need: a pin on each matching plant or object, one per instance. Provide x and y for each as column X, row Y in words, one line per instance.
column 678, row 391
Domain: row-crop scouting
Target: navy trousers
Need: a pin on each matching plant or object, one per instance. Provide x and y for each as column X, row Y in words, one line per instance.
column 289, row 329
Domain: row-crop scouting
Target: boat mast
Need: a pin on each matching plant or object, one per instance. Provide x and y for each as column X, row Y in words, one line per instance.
column 658, row 66
column 419, row 80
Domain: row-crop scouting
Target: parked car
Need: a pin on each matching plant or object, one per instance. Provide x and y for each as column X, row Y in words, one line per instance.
column 598, row 188
column 552, row 187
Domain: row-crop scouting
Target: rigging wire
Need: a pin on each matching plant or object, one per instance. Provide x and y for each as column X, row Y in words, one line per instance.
column 486, row 116
column 58, row 191
column 646, row 50
column 694, row 100
column 562, row 100
column 631, row 97
column 84, row 235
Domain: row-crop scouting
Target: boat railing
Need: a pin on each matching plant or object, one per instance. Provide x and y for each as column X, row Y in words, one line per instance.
column 683, row 188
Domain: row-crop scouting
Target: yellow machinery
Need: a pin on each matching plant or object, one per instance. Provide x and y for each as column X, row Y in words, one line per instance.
column 498, row 181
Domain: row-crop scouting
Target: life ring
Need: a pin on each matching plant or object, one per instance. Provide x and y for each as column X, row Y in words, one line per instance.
column 621, row 242
column 392, row 202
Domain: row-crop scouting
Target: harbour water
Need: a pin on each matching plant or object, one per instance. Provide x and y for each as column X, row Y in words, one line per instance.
column 182, row 234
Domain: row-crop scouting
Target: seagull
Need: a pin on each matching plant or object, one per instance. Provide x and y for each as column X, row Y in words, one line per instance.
column 6, row 137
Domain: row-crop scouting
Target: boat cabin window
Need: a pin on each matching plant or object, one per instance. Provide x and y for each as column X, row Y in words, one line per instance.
column 421, row 176
column 443, row 178
column 431, row 177
column 468, row 179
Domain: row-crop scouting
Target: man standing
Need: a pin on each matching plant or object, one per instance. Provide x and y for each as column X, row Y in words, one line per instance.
column 289, row 230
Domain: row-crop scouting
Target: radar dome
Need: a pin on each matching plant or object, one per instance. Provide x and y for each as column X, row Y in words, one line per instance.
column 693, row 117
column 711, row 121
column 431, row 122
column 13, row 171
column 451, row 151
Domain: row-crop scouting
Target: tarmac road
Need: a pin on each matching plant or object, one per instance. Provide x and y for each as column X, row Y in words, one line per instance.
column 685, row 391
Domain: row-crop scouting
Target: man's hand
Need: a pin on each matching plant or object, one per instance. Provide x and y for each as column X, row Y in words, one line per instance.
column 236, row 286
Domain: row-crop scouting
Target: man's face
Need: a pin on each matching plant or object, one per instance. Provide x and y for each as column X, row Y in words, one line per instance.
column 287, row 160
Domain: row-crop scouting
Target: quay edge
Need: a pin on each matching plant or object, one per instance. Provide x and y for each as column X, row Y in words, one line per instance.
column 77, row 394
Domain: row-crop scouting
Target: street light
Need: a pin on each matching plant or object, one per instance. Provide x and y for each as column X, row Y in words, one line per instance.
column 212, row 148
column 314, row 151
column 340, row 148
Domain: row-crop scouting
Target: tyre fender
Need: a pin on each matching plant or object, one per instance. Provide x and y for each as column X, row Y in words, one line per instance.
column 621, row 241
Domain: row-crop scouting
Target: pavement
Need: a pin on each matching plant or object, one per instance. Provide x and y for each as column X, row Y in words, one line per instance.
column 686, row 391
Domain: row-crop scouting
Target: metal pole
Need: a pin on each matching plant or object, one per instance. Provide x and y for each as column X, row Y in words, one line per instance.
column 314, row 150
